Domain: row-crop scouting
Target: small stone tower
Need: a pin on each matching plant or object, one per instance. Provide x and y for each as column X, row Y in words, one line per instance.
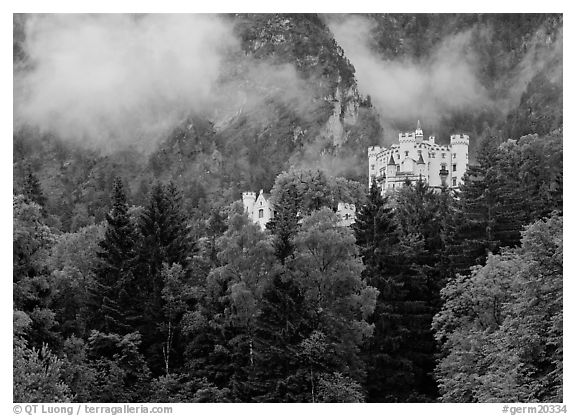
column 373, row 152
column 459, row 147
column 391, row 167
column 418, row 134
column 421, row 169
column 248, row 200
column 407, row 145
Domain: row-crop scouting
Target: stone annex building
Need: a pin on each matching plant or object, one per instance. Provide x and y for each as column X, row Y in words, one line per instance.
column 260, row 209
column 416, row 158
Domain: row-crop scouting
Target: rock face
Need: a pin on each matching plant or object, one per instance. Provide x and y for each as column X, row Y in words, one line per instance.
column 306, row 42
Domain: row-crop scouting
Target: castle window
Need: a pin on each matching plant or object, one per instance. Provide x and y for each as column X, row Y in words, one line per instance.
column 454, row 155
column 453, row 181
column 443, row 155
column 397, row 168
column 433, row 155
column 406, row 153
column 454, row 168
column 260, row 213
column 372, row 167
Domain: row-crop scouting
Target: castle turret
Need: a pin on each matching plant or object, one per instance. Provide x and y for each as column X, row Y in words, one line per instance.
column 459, row 148
column 391, row 167
column 373, row 167
column 407, row 145
column 418, row 134
column 248, row 199
column 421, row 170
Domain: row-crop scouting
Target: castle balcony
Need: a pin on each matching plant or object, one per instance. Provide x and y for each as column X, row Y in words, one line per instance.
column 444, row 172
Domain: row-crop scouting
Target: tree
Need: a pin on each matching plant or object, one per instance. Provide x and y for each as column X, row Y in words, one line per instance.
column 114, row 274
column 336, row 388
column 503, row 322
column 401, row 249
column 284, row 225
column 32, row 239
column 38, row 375
column 164, row 238
column 283, row 324
column 513, row 184
column 121, row 372
column 177, row 294
column 32, row 189
column 374, row 230
column 73, row 261
column 327, row 268
column 222, row 326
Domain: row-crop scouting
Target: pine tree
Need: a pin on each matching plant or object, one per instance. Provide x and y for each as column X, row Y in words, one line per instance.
column 400, row 355
column 283, row 323
column 114, row 273
column 32, row 189
column 374, row 229
column 476, row 212
column 164, row 239
column 284, row 225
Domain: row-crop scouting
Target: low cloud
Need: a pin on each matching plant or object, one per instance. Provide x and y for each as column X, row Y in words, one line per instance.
column 405, row 90
column 110, row 80
column 446, row 80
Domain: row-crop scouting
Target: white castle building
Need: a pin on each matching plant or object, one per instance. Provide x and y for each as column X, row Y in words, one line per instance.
column 416, row 158
column 260, row 209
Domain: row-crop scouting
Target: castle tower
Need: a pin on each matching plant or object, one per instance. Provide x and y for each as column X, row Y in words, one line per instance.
column 248, row 200
column 391, row 168
column 373, row 167
column 418, row 134
column 421, row 170
column 407, row 146
column 459, row 148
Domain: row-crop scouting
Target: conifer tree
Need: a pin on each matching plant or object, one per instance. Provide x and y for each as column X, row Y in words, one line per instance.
column 400, row 356
column 32, row 189
column 284, row 225
column 374, row 229
column 164, row 239
column 282, row 325
column 114, row 273
column 476, row 213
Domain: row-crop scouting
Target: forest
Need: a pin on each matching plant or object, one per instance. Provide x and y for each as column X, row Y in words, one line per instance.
column 137, row 276
column 428, row 296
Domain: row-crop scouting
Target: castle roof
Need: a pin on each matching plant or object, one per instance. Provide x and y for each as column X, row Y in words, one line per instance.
column 264, row 195
column 421, row 160
column 391, row 161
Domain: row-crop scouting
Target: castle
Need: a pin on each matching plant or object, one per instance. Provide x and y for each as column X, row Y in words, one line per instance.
column 415, row 158
column 260, row 209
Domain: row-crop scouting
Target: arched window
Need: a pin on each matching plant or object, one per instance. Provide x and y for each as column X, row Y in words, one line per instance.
column 260, row 213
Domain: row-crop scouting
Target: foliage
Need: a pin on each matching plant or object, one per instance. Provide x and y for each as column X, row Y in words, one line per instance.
column 38, row 375
column 504, row 322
